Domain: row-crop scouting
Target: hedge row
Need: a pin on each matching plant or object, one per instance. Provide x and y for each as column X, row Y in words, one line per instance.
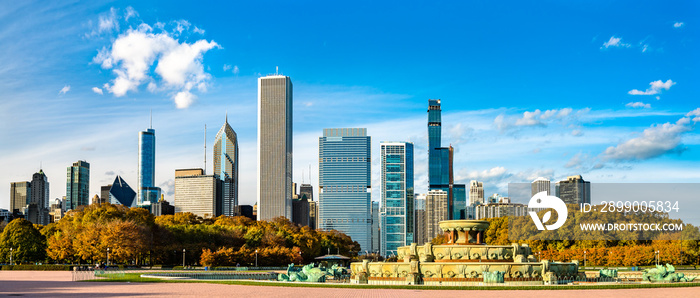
column 38, row 267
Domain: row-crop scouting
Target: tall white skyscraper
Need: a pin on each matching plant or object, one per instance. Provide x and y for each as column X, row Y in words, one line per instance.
column 274, row 189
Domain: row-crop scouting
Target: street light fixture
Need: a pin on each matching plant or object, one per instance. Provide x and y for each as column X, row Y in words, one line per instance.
column 10, row 255
column 584, row 258
column 256, row 258
column 107, row 256
column 657, row 258
column 183, row 258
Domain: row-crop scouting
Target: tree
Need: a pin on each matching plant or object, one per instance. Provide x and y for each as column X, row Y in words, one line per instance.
column 26, row 241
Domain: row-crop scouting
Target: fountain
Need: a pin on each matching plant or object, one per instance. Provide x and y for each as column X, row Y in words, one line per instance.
column 464, row 260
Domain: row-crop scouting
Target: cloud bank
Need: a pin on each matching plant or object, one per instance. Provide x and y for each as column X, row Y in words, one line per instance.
column 178, row 64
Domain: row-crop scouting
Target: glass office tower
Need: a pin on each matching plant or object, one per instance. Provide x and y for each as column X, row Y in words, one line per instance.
column 147, row 192
column 77, row 185
column 226, row 167
column 397, row 210
column 440, row 162
column 345, row 183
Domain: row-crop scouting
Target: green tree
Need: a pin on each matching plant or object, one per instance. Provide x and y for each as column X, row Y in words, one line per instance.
column 26, row 241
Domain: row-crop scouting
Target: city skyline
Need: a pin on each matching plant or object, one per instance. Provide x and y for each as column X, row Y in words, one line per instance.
column 592, row 120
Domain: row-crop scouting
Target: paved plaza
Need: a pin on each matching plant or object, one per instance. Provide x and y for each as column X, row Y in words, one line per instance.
column 59, row 284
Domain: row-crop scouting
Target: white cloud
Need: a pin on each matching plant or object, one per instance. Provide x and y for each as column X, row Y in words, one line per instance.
column 198, row 30
column 645, row 47
column 655, row 88
column 653, row 142
column 184, row 99
column 678, row 24
column 178, row 64
column 537, row 118
column 227, row 67
column 576, row 133
column 529, row 119
column 97, row 90
column 495, row 173
column 64, row 90
column 235, row 69
column 695, row 113
column 638, row 104
column 615, row 42
column 108, row 22
column 576, row 160
column 130, row 12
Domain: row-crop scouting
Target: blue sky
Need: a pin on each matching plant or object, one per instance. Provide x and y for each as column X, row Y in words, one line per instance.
column 528, row 89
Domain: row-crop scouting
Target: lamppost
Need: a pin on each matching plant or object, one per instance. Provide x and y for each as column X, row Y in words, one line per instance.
column 584, row 258
column 657, row 258
column 10, row 255
column 183, row 258
column 107, row 256
column 256, row 258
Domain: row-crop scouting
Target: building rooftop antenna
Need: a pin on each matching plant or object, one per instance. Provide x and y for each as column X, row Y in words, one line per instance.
column 151, row 127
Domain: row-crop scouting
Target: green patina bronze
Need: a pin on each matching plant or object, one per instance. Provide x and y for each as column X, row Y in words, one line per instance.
column 665, row 274
column 494, row 277
column 310, row 273
column 607, row 273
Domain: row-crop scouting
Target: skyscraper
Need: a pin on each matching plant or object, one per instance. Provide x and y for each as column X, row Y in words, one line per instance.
column 396, row 195
column 574, row 190
column 345, row 181
column 197, row 193
column 420, row 235
column 476, row 192
column 541, row 184
column 435, row 211
column 226, row 167
column 119, row 192
column 274, row 189
column 376, row 228
column 440, row 162
column 147, row 192
column 20, row 195
column 77, row 185
column 38, row 207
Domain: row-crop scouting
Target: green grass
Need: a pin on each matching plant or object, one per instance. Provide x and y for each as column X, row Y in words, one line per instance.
column 136, row 277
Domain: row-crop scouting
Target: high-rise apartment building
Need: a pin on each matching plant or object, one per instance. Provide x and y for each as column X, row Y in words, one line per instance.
column 420, row 235
column 499, row 206
column 396, row 195
column 147, row 192
column 197, row 193
column 38, row 207
column 376, row 228
column 574, row 190
column 274, row 189
column 541, row 184
column 226, row 167
column 20, row 195
column 78, row 185
column 345, row 182
column 436, row 210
